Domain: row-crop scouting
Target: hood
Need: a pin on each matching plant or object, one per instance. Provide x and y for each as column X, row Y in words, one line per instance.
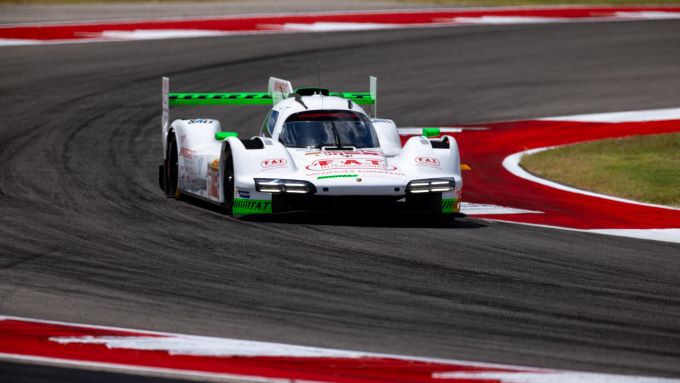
column 364, row 162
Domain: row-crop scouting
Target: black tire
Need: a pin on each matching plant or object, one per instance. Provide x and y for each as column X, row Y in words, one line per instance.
column 172, row 168
column 228, row 181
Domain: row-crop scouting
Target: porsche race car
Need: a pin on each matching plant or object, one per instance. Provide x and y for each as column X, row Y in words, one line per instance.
column 316, row 150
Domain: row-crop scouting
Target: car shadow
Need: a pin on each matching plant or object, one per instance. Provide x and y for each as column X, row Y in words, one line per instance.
column 358, row 218
column 369, row 219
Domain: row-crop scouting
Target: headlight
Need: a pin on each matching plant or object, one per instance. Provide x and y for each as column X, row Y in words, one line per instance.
column 434, row 185
column 272, row 185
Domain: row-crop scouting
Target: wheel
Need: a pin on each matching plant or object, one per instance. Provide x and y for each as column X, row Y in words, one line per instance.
column 228, row 181
column 172, row 169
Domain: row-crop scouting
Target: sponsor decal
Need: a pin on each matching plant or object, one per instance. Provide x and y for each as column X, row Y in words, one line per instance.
column 274, row 163
column 187, row 153
column 428, row 161
column 200, row 121
column 215, row 164
column 338, row 153
column 364, row 172
column 337, row 176
column 281, row 86
column 244, row 194
column 350, row 163
column 251, row 206
column 213, row 182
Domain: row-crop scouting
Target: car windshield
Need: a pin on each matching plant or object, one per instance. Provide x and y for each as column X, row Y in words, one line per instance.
column 336, row 128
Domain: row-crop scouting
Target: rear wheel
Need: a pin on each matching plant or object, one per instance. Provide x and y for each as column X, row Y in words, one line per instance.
column 228, row 181
column 172, row 168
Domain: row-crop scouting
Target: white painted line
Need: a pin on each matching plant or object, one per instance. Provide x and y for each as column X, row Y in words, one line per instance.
column 650, row 15
column 615, row 117
column 665, row 235
column 334, row 26
column 511, row 164
column 549, row 377
column 269, row 344
column 152, row 34
column 512, row 20
column 14, row 42
column 470, row 208
column 209, row 346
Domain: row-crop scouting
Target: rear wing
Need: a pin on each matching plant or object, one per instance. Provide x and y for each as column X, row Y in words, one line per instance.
column 278, row 90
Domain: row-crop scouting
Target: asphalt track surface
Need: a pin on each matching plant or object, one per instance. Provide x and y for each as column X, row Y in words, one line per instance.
column 88, row 237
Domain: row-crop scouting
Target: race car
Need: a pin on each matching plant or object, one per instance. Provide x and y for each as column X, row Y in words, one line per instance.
column 316, row 150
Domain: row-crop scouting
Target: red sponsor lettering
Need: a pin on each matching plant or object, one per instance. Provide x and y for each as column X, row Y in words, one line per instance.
column 273, row 163
column 186, row 153
column 428, row 161
column 335, row 153
column 213, row 185
column 349, row 163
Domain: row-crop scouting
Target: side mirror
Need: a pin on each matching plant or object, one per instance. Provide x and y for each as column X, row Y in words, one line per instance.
column 221, row 136
column 431, row 132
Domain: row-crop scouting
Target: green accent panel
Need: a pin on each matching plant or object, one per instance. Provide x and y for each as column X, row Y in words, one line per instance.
column 221, row 136
column 431, row 132
column 449, row 206
column 244, row 206
column 361, row 98
column 236, row 98
column 338, row 176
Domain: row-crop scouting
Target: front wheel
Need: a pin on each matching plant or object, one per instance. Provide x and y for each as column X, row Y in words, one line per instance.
column 228, row 181
column 171, row 167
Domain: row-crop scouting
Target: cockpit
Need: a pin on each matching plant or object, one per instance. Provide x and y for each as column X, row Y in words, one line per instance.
column 328, row 128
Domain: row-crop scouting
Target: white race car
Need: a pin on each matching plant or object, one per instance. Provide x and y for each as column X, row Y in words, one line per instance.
column 316, row 150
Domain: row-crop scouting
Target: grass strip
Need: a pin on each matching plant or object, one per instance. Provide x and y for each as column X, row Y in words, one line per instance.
column 642, row 168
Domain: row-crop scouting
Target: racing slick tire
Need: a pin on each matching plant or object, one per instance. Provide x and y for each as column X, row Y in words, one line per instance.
column 228, row 181
column 171, row 167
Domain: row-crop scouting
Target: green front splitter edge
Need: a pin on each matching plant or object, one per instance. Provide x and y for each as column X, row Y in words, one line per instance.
column 450, row 206
column 244, row 206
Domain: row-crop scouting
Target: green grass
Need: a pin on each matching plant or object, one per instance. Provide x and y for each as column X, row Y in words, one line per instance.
column 641, row 168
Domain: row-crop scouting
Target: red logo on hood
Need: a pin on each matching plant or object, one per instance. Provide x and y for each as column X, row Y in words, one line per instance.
column 348, row 163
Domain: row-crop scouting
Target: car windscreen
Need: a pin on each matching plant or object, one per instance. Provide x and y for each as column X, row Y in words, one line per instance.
column 337, row 128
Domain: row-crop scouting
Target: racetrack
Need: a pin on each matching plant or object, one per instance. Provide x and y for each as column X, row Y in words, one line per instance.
column 88, row 236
